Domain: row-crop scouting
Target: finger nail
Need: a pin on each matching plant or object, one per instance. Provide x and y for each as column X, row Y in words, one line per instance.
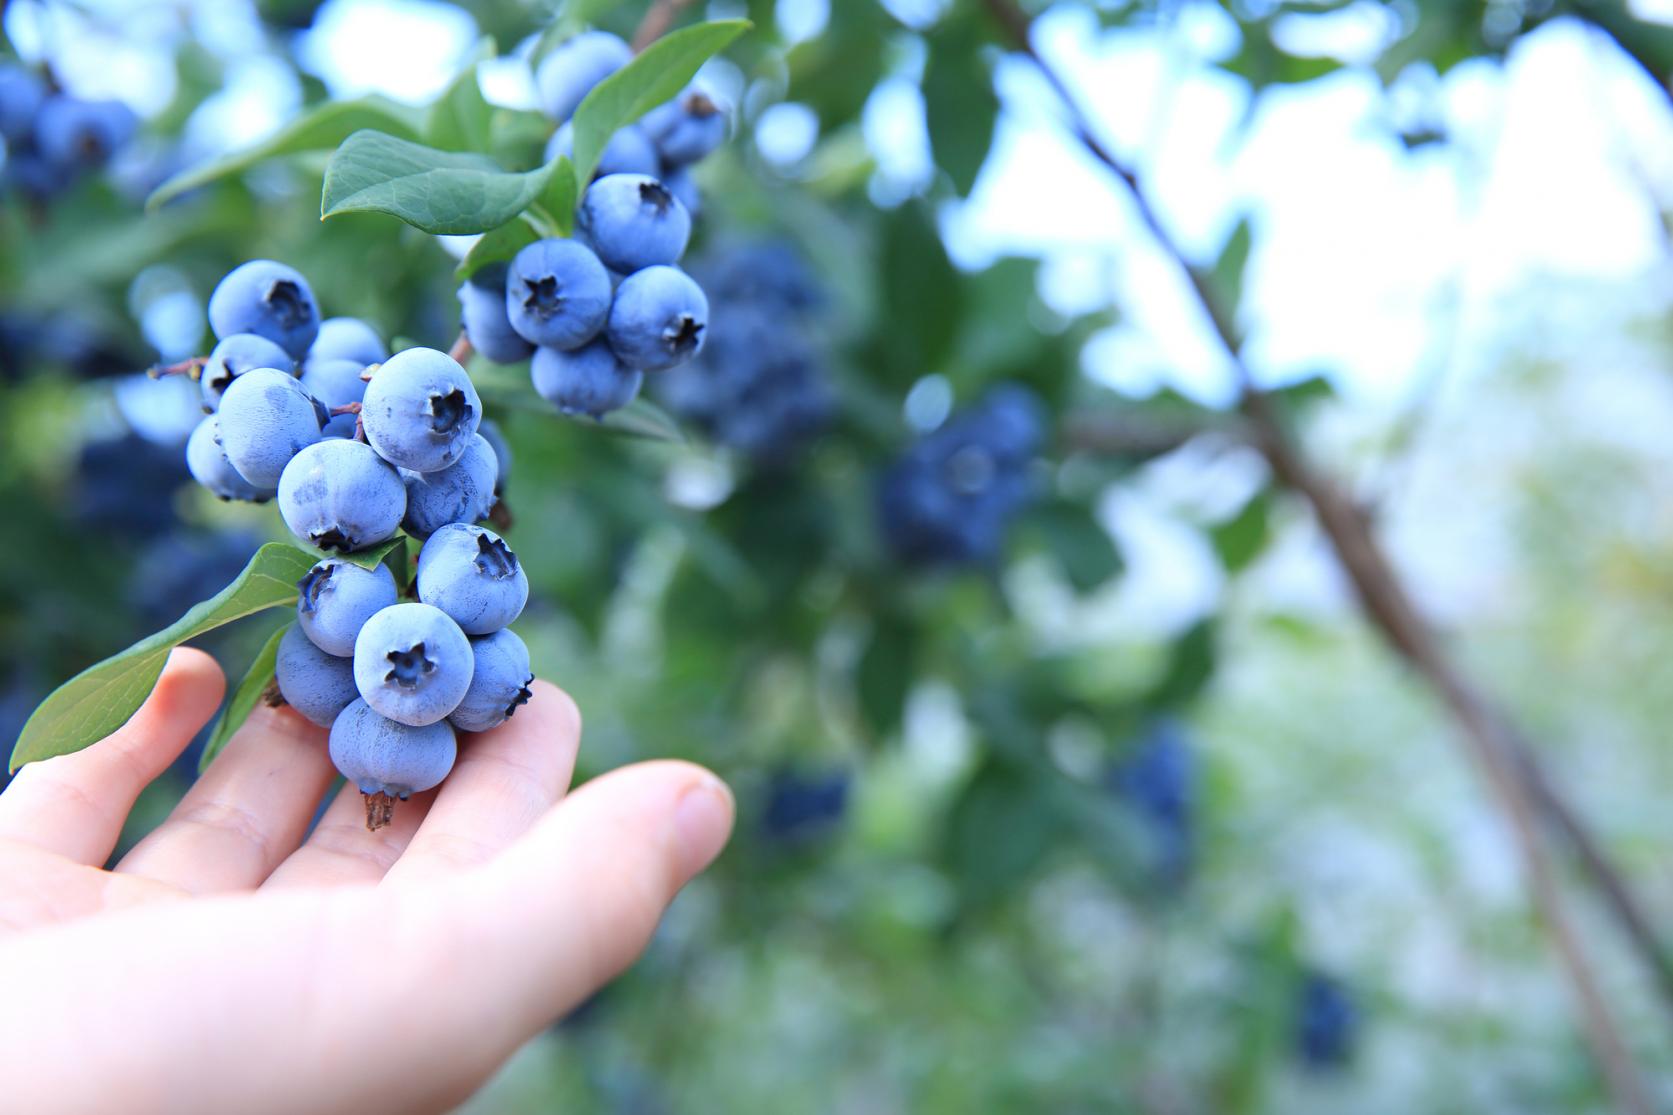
column 702, row 822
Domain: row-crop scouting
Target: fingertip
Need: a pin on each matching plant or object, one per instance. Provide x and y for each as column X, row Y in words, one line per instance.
column 555, row 705
column 191, row 673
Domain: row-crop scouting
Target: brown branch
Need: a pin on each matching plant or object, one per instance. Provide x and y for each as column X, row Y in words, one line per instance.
column 1491, row 745
column 657, row 20
column 461, row 350
column 192, row 366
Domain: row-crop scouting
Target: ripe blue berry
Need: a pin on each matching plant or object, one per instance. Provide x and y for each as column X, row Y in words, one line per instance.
column 682, row 185
column 420, row 410
column 657, row 319
column 335, row 599
column 483, row 317
column 499, row 683
column 463, row 492
column 21, row 97
column 72, row 134
column 472, row 575
column 557, row 293
column 632, row 222
column 340, row 495
column 412, row 664
column 234, row 356
column 628, row 151
column 266, row 419
column 569, row 73
column 335, row 383
column 347, row 338
column 382, row 756
column 314, row 683
column 210, row 467
column 1326, row 1024
column 589, row 380
column 268, row 298
column 687, row 127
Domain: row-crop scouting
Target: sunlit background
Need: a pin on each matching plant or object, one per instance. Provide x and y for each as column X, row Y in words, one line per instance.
column 1458, row 280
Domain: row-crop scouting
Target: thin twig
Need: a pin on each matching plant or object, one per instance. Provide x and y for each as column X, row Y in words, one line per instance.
column 192, row 366
column 461, row 350
column 1494, row 750
column 657, row 20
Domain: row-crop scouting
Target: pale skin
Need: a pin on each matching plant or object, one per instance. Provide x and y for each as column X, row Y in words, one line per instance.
column 229, row 964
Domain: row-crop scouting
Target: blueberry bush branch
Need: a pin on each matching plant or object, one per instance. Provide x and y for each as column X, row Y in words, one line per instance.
column 1502, row 757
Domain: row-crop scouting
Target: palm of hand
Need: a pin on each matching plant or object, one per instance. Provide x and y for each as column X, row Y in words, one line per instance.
column 228, row 963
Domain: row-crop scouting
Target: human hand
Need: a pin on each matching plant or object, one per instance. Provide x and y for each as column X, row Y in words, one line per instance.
column 227, row 964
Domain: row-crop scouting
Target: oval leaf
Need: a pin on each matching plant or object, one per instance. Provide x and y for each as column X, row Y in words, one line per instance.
column 101, row 698
column 441, row 192
column 255, row 682
column 320, row 130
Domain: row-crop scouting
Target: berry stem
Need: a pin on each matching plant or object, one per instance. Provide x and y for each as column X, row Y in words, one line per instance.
column 656, row 22
column 192, row 367
column 380, row 810
column 461, row 350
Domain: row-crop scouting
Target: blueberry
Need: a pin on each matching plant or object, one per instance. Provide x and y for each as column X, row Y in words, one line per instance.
column 463, row 492
column 268, row 298
column 412, row 664
column 266, row 419
column 336, row 598
column 589, row 380
column 1327, row 1022
column 499, row 683
column 687, row 127
column 335, row 383
column 502, row 452
column 314, row 683
column 1012, row 422
column 657, row 319
column 21, row 97
column 420, row 410
column 557, row 293
column 483, row 317
column 682, row 185
column 382, row 756
column 628, row 151
column 568, row 74
column 632, row 221
column 472, row 575
column 73, row 134
column 950, row 498
column 234, row 356
column 210, row 467
column 347, row 338
column 340, row 495
column 1158, row 781
column 802, row 807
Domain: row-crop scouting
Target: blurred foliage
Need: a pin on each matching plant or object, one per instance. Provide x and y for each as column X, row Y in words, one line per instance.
column 984, row 860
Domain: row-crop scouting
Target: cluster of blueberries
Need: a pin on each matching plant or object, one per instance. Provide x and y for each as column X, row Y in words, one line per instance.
column 759, row 386
column 594, row 313
column 357, row 445
column 949, row 498
column 51, row 138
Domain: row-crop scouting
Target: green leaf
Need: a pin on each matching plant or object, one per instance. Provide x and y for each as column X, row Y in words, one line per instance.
column 1082, row 547
column 1241, row 538
column 659, row 72
column 320, row 130
column 100, row 699
column 254, row 683
column 1227, row 275
column 557, row 204
column 376, row 555
column 497, row 245
column 643, row 419
column 441, row 192
column 999, row 831
column 884, row 674
column 960, row 104
column 461, row 119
